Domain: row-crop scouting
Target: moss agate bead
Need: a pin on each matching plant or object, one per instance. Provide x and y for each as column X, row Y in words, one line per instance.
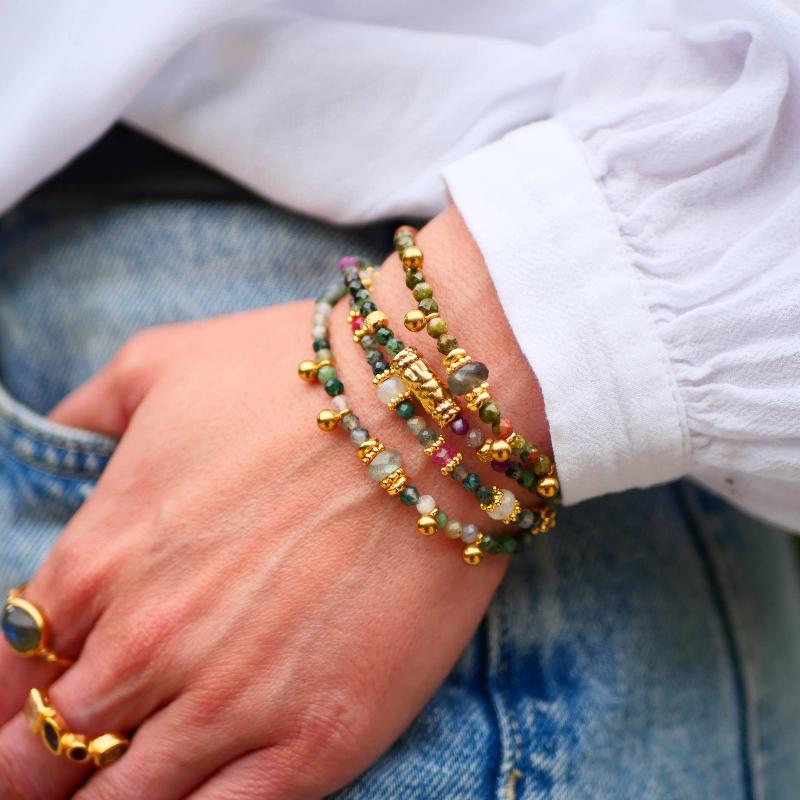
column 485, row 494
column 326, row 373
column 428, row 305
column 422, row 291
column 382, row 335
column 489, row 413
column 334, row 387
column 472, row 482
column 413, row 278
column 441, row 519
column 446, row 343
column 394, row 346
column 405, row 409
column 437, row 327
column 321, row 344
column 373, row 357
column 383, row 465
column 468, row 377
column 379, row 366
column 427, row 437
column 542, row 465
column 409, row 496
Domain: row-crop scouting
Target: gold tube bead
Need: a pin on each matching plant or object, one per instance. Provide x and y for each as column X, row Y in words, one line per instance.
column 478, row 397
column 107, row 749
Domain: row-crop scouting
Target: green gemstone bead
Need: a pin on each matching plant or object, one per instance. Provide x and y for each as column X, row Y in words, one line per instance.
column 509, row 544
column 413, row 278
column 394, row 346
column 528, row 478
column 334, row 387
column 437, row 327
column 472, row 482
column 490, row 545
column 489, row 413
column 514, row 471
column 321, row 344
column 542, row 465
column 382, row 335
column 428, row 305
column 428, row 437
column 409, row 496
column 326, row 373
column 405, row 409
column 446, row 343
column 526, row 452
column 485, row 495
column 441, row 519
column 422, row 290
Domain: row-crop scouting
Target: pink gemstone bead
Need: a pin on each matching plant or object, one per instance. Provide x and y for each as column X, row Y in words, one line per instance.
column 459, row 426
column 357, row 323
column 348, row 261
column 443, row 455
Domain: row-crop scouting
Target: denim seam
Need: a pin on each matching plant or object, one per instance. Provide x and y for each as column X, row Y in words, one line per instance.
column 64, row 442
column 46, row 471
column 753, row 785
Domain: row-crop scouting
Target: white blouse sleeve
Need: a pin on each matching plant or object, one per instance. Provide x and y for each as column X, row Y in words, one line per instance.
column 645, row 244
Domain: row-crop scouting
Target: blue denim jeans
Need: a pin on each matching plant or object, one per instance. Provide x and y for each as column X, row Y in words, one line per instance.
column 648, row 648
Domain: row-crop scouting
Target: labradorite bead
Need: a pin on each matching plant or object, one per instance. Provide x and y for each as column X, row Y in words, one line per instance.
column 368, row 342
column 489, row 413
column 465, row 379
column 394, row 346
column 409, row 496
column 485, row 495
column 436, row 327
column 469, row 533
column 413, row 278
column 20, row 629
column 326, row 373
column 384, row 464
column 334, row 387
column 474, row 438
column 446, row 343
column 379, row 366
column 542, row 465
column 490, row 545
column 321, row 344
column 373, row 357
column 427, row 437
column 368, row 307
column 441, row 519
column 422, row 290
column 472, row 482
column 526, row 519
column 382, row 335
column 405, row 409
column 359, row 436
column 428, row 305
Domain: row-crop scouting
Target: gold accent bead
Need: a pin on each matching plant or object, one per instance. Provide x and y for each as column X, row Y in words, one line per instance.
column 452, row 464
column 547, row 520
column 426, row 525
column 108, row 748
column 381, row 377
column 432, row 448
column 478, row 397
column 307, row 370
column 395, row 483
column 456, row 359
column 411, row 258
column 484, row 452
column 375, row 320
column 501, row 450
column 414, row 320
column 327, row 420
column 514, row 515
column 395, row 401
column 547, row 486
column 497, row 498
column 352, row 314
column 369, row 449
column 472, row 555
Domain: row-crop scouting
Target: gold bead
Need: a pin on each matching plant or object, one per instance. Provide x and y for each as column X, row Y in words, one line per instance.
column 452, row 464
column 108, row 748
column 547, row 487
column 456, row 359
column 426, row 525
column 411, row 258
column 375, row 320
column 415, row 320
column 514, row 515
column 484, row 452
column 327, row 420
column 395, row 483
column 472, row 555
column 307, row 370
column 501, row 450
column 369, row 449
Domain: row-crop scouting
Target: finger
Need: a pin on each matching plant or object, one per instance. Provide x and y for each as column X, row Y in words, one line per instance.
column 19, row 676
column 28, row 771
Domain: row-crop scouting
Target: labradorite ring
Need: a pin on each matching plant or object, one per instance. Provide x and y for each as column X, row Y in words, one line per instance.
column 25, row 629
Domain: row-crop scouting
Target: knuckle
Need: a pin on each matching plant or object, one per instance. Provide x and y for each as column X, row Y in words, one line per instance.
column 135, row 357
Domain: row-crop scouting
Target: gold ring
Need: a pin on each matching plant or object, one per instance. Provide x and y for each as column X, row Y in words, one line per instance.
column 26, row 630
column 45, row 721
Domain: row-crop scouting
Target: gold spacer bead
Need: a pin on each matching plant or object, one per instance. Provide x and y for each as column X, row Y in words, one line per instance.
column 395, row 483
column 307, row 370
column 395, row 401
column 514, row 515
column 456, row 359
column 484, row 452
column 547, row 487
column 381, row 377
column 369, row 449
column 411, row 258
column 327, row 420
column 352, row 314
column 414, row 320
column 472, row 555
column 478, row 397
column 426, row 525
column 375, row 320
column 547, row 521
column 497, row 498
column 501, row 450
column 452, row 464
column 432, row 448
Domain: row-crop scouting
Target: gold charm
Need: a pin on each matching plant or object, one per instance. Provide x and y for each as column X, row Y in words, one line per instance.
column 327, row 419
column 431, row 393
column 426, row 524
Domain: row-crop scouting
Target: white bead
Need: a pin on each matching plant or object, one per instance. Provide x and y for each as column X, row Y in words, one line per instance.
column 339, row 403
column 505, row 507
column 453, row 529
column 426, row 504
column 318, row 320
column 319, row 332
column 390, row 388
column 322, row 309
column 415, row 425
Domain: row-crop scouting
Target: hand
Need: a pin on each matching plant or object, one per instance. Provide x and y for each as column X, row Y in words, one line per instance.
column 265, row 632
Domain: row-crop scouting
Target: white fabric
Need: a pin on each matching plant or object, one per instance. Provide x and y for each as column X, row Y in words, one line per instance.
column 629, row 170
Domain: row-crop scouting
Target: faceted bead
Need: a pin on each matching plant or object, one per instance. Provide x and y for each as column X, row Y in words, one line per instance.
column 528, row 478
column 441, row 519
column 415, row 425
column 323, row 309
column 469, row 533
column 503, row 427
column 367, row 307
column 422, row 290
column 542, row 465
column 428, row 305
column 526, row 519
column 466, row 378
column 349, row 261
column 326, row 373
column 361, row 295
column 350, row 423
column 427, row 437
column 514, row 470
column 324, row 355
column 413, row 278
column 529, row 453
column 485, row 495
column 474, row 439
column 359, row 436
column 489, row 412
column 390, row 388
column 446, row 343
column 356, row 324
column 444, row 455
column 20, row 629
column 321, row 344
column 339, row 403
column 459, row 426
column 436, row 327
column 319, row 332
column 505, row 507
column 334, row 387
column 355, row 286
column 459, row 473
column 394, row 346
column 453, row 529
column 379, row 366
column 409, row 496
column 509, row 544
column 405, row 409
column 499, row 466
column 385, row 463
column 426, row 504
column 382, row 335
column 373, row 357
column 472, row 482
column 367, row 342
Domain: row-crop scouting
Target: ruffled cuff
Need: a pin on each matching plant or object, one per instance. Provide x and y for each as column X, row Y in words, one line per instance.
column 566, row 280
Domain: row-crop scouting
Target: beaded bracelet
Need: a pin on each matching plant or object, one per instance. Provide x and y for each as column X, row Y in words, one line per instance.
column 407, row 368
column 469, row 378
column 385, row 466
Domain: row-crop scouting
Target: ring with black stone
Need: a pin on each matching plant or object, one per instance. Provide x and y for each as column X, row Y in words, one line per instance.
column 26, row 630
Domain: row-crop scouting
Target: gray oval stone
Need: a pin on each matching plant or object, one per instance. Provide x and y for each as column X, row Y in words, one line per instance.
column 468, row 377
